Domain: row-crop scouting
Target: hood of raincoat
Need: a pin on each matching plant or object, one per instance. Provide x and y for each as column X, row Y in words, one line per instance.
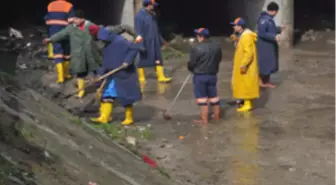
column 250, row 33
column 106, row 35
column 265, row 15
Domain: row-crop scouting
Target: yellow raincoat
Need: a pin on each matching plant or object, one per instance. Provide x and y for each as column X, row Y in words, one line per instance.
column 246, row 86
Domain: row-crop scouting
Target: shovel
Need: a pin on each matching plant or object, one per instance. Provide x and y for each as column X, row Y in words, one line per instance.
column 166, row 114
column 98, row 80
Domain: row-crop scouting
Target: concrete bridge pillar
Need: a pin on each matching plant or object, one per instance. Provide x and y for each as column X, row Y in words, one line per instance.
column 128, row 12
column 249, row 10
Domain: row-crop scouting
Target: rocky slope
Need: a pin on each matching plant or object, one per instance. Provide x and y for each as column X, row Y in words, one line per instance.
column 41, row 143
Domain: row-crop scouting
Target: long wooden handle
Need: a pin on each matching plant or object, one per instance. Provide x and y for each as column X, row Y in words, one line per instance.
column 100, row 90
column 98, row 80
column 109, row 74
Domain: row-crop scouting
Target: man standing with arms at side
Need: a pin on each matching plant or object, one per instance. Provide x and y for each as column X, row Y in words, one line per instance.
column 245, row 76
column 267, row 45
column 204, row 64
column 60, row 14
column 152, row 41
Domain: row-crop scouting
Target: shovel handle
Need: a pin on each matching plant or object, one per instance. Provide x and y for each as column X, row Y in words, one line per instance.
column 103, row 77
column 99, row 91
column 178, row 94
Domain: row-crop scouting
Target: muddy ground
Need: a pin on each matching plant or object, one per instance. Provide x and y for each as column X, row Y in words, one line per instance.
column 287, row 139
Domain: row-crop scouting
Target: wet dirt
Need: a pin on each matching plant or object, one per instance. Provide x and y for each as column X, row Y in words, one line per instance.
column 287, row 139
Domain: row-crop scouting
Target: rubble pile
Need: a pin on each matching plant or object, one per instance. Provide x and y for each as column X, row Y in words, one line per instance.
column 310, row 35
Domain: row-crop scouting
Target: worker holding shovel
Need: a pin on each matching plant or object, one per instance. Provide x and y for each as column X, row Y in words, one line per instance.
column 123, row 85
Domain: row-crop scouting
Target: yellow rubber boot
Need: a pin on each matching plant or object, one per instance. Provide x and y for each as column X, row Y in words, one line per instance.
column 160, row 74
column 50, row 51
column 128, row 116
column 81, row 86
column 105, row 113
column 247, row 106
column 60, row 73
column 141, row 75
column 66, row 66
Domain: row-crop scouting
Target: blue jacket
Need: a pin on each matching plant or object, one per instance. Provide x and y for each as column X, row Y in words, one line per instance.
column 146, row 26
column 116, row 52
column 267, row 47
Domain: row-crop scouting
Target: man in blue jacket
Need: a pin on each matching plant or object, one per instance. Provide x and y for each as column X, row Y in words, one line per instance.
column 122, row 86
column 267, row 45
column 152, row 41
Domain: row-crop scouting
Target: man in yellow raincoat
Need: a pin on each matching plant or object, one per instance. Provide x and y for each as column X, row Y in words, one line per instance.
column 245, row 79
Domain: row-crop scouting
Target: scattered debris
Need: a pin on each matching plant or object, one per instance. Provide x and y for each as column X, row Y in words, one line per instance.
column 292, row 169
column 131, row 140
column 310, row 35
column 150, row 161
column 15, row 33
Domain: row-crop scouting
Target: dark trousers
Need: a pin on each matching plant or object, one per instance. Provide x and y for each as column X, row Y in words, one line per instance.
column 82, row 75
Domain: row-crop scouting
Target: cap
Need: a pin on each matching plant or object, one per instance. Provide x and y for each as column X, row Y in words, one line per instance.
column 202, row 32
column 150, row 2
column 238, row 21
column 79, row 14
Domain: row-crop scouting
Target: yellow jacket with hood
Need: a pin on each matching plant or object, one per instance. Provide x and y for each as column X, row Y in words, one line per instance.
column 246, row 86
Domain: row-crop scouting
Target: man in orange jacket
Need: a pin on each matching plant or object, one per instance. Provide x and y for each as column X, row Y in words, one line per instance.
column 60, row 14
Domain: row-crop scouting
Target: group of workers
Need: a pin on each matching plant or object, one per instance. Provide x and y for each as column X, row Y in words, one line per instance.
column 74, row 45
column 70, row 31
column 255, row 59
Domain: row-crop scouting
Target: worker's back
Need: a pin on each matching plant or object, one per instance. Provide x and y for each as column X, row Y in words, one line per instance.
column 60, row 13
column 207, row 56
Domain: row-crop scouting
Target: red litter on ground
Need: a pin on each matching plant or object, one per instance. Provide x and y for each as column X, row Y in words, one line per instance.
column 149, row 161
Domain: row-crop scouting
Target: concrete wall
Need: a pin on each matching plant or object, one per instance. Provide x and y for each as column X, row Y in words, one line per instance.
column 119, row 12
column 248, row 9
column 251, row 10
column 128, row 12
